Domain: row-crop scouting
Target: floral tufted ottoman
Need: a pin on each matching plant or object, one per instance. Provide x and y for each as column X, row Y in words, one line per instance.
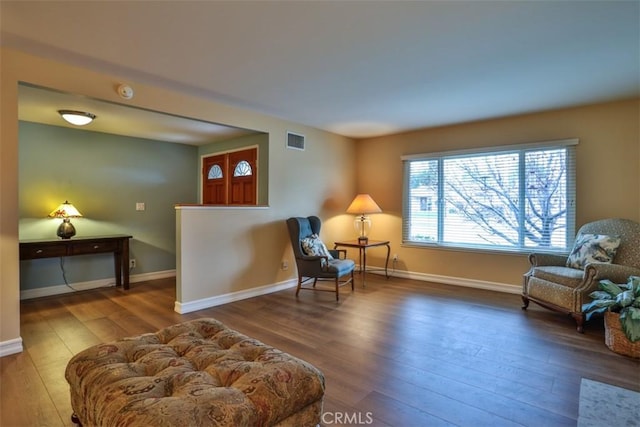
column 197, row 373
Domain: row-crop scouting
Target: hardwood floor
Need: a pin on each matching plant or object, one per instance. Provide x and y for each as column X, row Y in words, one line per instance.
column 396, row 353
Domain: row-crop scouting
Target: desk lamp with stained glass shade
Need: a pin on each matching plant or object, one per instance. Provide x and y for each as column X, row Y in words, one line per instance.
column 65, row 211
column 362, row 205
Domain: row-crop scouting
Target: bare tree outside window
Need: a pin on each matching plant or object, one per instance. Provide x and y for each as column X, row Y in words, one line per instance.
column 513, row 199
column 546, row 197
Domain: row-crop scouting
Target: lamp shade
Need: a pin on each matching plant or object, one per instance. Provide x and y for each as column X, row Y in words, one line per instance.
column 65, row 210
column 363, row 204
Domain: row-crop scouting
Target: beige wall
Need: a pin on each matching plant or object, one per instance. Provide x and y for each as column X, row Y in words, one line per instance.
column 9, row 273
column 608, row 181
column 318, row 180
column 324, row 178
column 223, row 251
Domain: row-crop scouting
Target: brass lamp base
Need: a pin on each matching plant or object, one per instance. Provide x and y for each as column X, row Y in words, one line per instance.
column 66, row 229
column 362, row 240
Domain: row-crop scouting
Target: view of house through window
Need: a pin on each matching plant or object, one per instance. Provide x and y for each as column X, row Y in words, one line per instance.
column 513, row 199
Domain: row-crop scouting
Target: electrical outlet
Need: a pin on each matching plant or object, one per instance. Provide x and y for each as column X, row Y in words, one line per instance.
column 132, row 263
column 395, row 257
column 284, row 265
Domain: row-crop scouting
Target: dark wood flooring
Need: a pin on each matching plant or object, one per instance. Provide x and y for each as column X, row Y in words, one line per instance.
column 396, row 353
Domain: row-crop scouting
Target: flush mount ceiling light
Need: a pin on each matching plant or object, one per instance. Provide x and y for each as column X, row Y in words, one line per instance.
column 78, row 118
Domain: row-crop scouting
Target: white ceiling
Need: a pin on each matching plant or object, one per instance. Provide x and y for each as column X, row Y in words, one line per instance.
column 40, row 105
column 357, row 68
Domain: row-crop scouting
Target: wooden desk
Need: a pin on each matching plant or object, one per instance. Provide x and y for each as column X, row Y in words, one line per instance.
column 362, row 252
column 118, row 244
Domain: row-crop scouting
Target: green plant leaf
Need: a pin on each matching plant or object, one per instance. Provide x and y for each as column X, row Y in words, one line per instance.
column 597, row 307
column 625, row 299
column 600, row 295
column 633, row 312
column 609, row 287
column 630, row 322
column 589, row 314
column 634, row 281
column 599, row 303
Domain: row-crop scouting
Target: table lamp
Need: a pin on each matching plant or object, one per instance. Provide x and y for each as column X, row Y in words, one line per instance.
column 65, row 211
column 362, row 205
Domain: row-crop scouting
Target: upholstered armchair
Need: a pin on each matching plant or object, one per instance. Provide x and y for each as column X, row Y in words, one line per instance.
column 563, row 283
column 314, row 261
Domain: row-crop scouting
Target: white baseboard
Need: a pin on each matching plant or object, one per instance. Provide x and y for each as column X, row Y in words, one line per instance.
column 143, row 277
column 201, row 304
column 93, row 284
column 262, row 290
column 11, row 347
column 15, row 345
column 451, row 280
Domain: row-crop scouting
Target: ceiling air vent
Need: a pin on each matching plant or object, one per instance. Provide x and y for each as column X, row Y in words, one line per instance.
column 295, row 141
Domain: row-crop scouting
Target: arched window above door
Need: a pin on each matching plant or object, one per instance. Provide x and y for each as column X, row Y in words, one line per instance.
column 215, row 172
column 243, row 168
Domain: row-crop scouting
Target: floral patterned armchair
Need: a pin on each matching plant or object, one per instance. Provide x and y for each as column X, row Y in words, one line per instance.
column 605, row 249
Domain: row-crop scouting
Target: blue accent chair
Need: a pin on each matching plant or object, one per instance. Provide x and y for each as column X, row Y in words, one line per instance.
column 313, row 268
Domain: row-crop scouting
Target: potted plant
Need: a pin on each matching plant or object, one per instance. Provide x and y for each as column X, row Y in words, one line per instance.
column 620, row 305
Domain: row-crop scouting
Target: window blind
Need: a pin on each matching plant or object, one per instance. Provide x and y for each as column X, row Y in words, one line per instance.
column 515, row 198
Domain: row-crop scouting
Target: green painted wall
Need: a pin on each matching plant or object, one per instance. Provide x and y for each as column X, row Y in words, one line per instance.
column 103, row 175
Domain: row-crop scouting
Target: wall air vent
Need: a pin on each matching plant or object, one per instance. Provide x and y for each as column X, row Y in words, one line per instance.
column 295, row 141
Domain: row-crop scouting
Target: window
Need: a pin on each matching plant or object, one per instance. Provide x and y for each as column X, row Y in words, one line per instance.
column 243, row 168
column 215, row 172
column 510, row 198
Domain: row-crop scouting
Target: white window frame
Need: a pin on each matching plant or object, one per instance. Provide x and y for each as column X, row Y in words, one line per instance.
column 568, row 144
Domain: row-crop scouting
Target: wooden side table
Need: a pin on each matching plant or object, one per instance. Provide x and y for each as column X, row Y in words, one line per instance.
column 362, row 252
column 118, row 244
